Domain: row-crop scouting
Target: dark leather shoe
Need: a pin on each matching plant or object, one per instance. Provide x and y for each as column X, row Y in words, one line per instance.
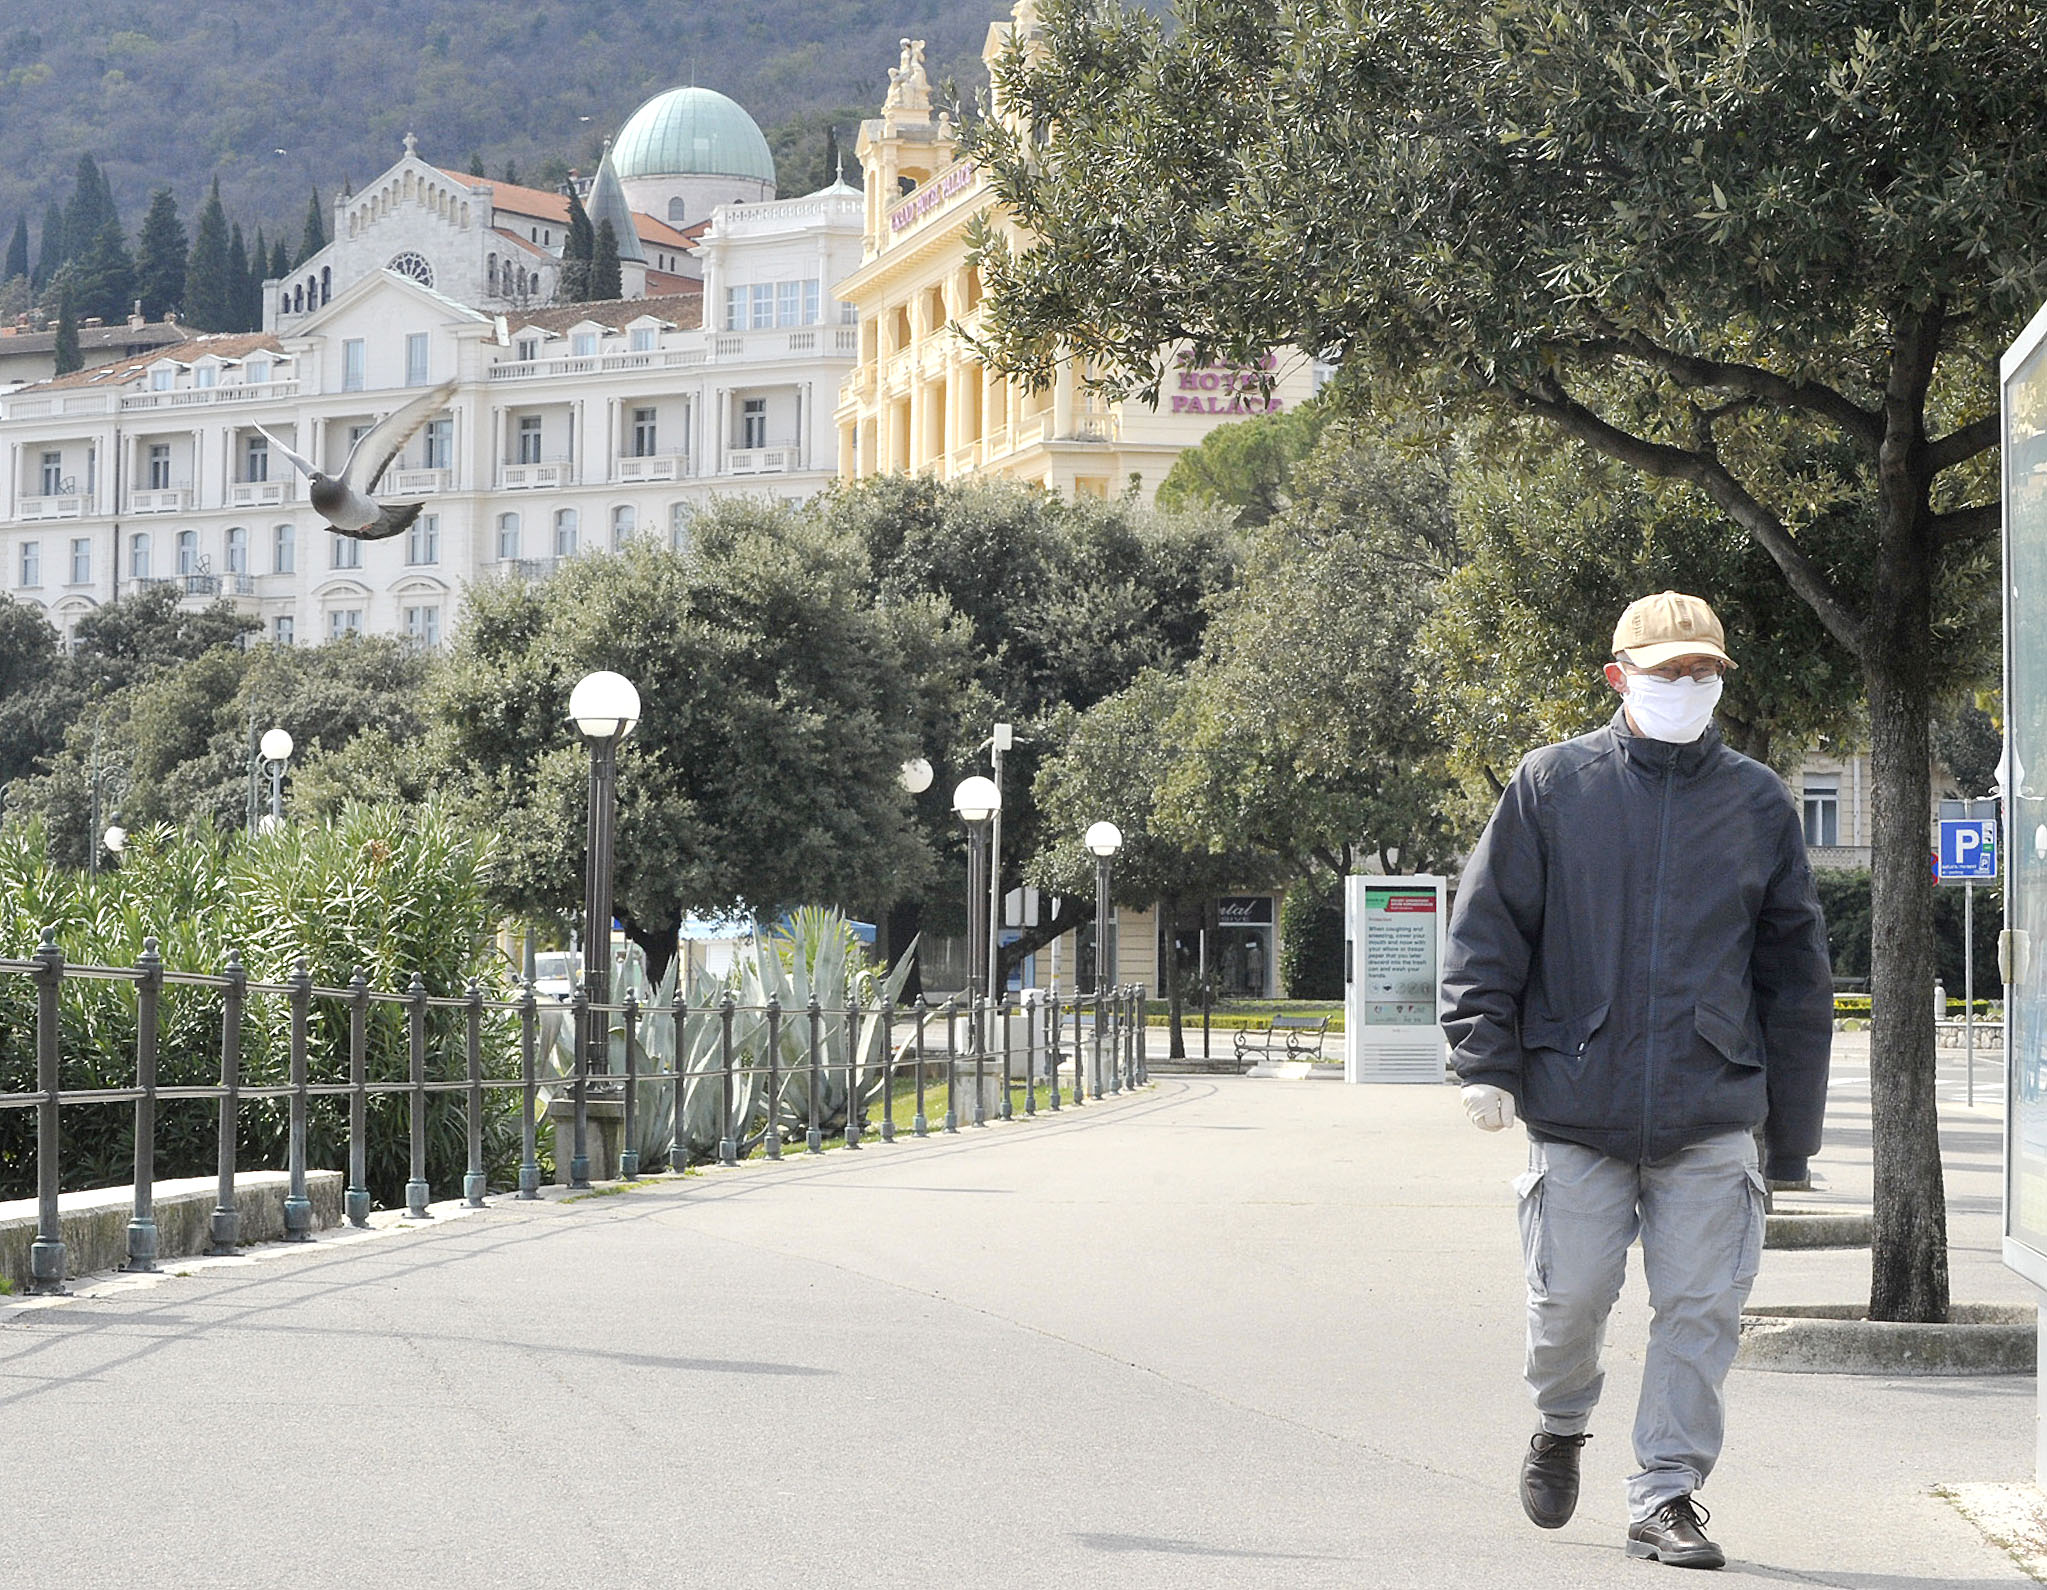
column 1549, row 1478
column 1674, row 1534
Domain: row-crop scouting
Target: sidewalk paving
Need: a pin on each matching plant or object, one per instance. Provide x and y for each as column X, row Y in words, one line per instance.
column 1216, row 1333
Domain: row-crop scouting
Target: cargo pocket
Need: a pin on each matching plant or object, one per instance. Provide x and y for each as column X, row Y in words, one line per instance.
column 1534, row 1235
column 1751, row 1254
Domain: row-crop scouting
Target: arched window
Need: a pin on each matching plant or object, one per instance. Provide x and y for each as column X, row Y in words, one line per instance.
column 490, row 268
column 138, row 556
column 565, row 532
column 237, row 550
column 414, row 265
column 621, row 525
column 675, row 211
column 298, row 301
column 508, row 537
column 188, row 551
column 326, row 282
column 679, row 516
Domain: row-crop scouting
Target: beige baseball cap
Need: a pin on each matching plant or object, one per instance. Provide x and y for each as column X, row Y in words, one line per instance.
column 1667, row 625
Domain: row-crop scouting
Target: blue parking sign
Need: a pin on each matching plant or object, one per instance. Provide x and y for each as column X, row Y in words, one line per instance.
column 1968, row 848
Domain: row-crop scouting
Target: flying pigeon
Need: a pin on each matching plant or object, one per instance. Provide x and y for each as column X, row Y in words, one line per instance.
column 344, row 500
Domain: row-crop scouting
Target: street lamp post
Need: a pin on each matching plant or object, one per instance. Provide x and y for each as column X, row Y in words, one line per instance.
column 273, row 751
column 979, row 804
column 604, row 707
column 999, row 742
column 1103, row 840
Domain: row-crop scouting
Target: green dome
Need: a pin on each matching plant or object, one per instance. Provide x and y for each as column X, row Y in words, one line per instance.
column 692, row 132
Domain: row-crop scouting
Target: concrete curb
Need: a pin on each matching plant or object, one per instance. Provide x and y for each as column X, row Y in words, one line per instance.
column 1836, row 1339
column 1816, row 1228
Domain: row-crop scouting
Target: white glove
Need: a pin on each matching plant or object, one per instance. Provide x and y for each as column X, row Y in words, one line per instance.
column 1491, row 1109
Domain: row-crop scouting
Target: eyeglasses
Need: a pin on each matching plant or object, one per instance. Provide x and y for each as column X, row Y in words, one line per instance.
column 1702, row 670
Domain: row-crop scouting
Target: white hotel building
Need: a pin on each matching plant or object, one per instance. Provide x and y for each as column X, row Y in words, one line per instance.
column 572, row 427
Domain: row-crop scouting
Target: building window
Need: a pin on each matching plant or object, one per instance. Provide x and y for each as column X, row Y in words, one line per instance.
column 188, row 552
column 352, row 365
column 256, row 460
column 237, row 550
column 423, row 626
column 1823, row 811
column 640, row 340
column 763, row 304
column 343, row 622
column 53, row 474
column 811, row 297
column 423, row 540
column 529, row 438
column 529, row 349
column 622, row 522
column 284, row 629
column 788, row 303
column 643, row 433
column 439, row 445
column 508, row 537
column 583, row 345
column 205, row 374
column 849, row 314
column 81, row 560
column 159, row 466
column 347, row 552
column 735, row 309
column 284, row 550
column 413, row 265
column 138, row 556
column 31, row 563
column 256, row 372
column 679, row 516
column 565, row 532
column 753, row 423
column 160, row 380
column 415, row 358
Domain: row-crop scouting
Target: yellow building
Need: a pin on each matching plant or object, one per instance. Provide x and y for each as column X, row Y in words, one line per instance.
column 919, row 402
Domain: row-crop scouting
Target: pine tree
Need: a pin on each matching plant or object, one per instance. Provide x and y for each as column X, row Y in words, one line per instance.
column 606, row 278
column 237, row 281
column 103, row 275
column 476, row 165
column 50, row 252
column 315, row 236
column 68, row 356
column 160, row 251
column 17, row 251
column 91, row 207
column 578, row 251
column 209, row 294
column 511, row 173
column 280, row 260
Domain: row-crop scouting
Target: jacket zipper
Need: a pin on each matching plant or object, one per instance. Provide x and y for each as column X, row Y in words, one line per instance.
column 1655, row 956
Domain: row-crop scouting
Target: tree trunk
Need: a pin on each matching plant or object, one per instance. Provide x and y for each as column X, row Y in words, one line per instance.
column 656, row 943
column 1908, row 1259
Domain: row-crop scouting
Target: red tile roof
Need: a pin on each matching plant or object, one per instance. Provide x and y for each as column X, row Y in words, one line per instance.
column 223, row 345
column 684, row 310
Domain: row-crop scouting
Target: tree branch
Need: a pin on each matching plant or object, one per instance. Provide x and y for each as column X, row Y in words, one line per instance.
column 1964, row 442
column 1966, row 524
column 1557, row 406
column 1864, row 425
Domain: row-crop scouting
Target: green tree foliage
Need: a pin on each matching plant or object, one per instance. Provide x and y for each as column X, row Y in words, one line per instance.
column 238, row 280
column 209, row 281
column 806, row 147
column 777, row 705
column 1771, row 253
column 605, row 279
column 1244, row 467
column 101, row 276
column 279, row 266
column 1311, row 940
column 17, row 251
column 90, row 208
column 160, row 251
column 30, row 657
column 50, row 247
column 579, row 251
column 69, row 357
column 314, row 237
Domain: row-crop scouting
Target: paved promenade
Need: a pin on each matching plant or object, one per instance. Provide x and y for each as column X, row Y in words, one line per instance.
column 1218, row 1333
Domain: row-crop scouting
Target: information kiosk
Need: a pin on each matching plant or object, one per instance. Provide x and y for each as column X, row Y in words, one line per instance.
column 1393, row 957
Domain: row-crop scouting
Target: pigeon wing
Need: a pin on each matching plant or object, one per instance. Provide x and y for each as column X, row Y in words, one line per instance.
column 394, row 518
column 372, row 455
column 303, row 465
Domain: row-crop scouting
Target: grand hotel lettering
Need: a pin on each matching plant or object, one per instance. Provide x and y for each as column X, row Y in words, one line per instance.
column 931, row 196
column 1226, row 388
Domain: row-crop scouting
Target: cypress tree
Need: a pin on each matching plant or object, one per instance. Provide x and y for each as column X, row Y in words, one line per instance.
column 91, row 207
column 50, row 252
column 476, row 165
column 237, row 281
column 578, row 251
column 209, row 295
column 280, row 260
column 17, row 251
column 160, row 250
column 606, row 279
column 511, row 173
column 259, row 264
column 68, row 356
column 103, row 281
column 315, row 237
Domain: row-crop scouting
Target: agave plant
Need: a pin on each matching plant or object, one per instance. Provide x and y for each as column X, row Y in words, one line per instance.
column 816, row 954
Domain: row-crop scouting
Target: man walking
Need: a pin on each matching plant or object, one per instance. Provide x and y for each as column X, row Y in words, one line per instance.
column 1638, row 966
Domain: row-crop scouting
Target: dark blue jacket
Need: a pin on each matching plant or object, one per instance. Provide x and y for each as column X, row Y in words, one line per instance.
column 1637, row 953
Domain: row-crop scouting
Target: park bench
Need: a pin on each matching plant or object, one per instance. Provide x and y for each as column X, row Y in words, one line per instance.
column 1283, row 1038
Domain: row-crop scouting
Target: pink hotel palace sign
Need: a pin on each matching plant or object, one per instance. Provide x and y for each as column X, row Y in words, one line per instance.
column 947, row 185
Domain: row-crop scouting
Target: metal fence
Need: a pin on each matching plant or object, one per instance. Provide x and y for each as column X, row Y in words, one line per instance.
column 1072, row 1047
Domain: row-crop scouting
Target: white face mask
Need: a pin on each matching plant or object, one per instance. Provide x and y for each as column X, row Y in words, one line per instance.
column 1676, row 710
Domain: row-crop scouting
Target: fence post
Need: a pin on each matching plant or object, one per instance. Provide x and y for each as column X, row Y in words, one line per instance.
column 46, row 1255
column 1079, row 1048
column 227, row 1219
column 579, row 1090
column 1100, row 999
column 728, row 1147
column 917, row 1123
column 358, row 1199
column 298, row 1208
column 952, row 1061
column 142, row 1224
column 855, row 1053
column 1140, row 1038
column 1008, row 1068
column 1052, row 1055
column 984, row 1025
column 628, row 1151
column 771, row 1138
column 678, row 1148
column 1030, row 1016
column 814, row 1139
column 472, row 1179
column 529, row 1094
column 416, row 1190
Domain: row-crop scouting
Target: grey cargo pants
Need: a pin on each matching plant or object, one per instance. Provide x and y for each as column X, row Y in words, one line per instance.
column 1700, row 1216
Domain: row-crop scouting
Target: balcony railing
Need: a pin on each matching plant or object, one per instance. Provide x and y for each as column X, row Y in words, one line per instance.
column 762, row 460
column 257, row 493
column 173, row 499
column 527, row 568
column 207, row 585
column 530, row 477
column 69, row 506
column 419, row 482
column 199, row 397
column 660, row 466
